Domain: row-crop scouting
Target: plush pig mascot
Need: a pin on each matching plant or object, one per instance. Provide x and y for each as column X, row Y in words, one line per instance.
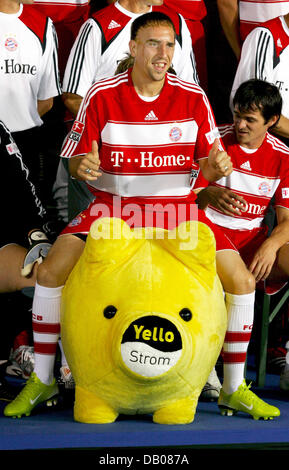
column 143, row 321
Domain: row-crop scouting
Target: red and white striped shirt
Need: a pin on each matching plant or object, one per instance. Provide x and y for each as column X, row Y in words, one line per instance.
column 254, row 12
column 147, row 149
column 257, row 177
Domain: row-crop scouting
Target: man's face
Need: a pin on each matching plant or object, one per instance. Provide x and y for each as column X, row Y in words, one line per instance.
column 250, row 127
column 153, row 51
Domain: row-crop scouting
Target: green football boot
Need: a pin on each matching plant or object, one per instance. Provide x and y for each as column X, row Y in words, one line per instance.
column 33, row 393
column 245, row 400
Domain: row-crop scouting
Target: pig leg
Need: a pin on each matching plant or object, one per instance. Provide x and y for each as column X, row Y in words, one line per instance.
column 88, row 408
column 177, row 412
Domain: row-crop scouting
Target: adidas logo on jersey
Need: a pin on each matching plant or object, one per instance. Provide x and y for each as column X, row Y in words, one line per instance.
column 246, row 166
column 279, row 43
column 151, row 116
column 113, row 24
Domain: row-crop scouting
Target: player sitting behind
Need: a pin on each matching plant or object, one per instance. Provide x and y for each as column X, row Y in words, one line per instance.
column 239, row 202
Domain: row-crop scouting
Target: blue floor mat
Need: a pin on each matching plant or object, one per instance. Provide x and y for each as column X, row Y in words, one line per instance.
column 55, row 428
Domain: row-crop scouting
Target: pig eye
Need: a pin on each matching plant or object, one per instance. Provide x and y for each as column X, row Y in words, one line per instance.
column 186, row 314
column 109, row 311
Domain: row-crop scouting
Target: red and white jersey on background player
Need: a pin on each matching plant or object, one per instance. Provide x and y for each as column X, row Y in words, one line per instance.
column 62, row 11
column 189, row 9
column 103, row 42
column 254, row 12
column 67, row 17
column 257, row 177
column 265, row 55
column 28, row 67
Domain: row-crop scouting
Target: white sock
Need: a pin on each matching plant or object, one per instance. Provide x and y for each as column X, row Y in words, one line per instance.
column 46, row 330
column 240, row 310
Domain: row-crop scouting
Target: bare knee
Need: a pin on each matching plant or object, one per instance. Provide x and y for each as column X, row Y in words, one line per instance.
column 48, row 277
column 241, row 282
column 61, row 259
column 233, row 273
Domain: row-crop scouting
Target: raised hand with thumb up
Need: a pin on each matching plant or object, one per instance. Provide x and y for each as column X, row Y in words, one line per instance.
column 86, row 167
column 219, row 161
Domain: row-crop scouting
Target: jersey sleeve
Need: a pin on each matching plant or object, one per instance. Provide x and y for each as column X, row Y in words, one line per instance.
column 84, row 130
column 207, row 129
column 199, row 182
column 82, row 64
column 256, row 59
column 282, row 192
column 49, row 84
column 185, row 63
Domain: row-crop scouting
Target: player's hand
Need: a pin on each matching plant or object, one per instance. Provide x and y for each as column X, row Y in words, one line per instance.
column 219, row 160
column 86, row 168
column 222, row 199
column 263, row 261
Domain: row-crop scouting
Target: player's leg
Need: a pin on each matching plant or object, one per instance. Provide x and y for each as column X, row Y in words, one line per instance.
column 280, row 270
column 52, row 274
column 239, row 287
column 11, row 261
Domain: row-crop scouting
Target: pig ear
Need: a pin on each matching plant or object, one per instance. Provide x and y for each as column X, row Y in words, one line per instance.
column 109, row 240
column 193, row 243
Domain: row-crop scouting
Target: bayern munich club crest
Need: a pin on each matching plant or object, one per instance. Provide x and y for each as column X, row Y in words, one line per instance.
column 76, row 221
column 175, row 134
column 11, row 44
column 264, row 188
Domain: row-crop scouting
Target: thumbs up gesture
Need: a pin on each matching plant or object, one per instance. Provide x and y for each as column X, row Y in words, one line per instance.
column 219, row 161
column 86, row 167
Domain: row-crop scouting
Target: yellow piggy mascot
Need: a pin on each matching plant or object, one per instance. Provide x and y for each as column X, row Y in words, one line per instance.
column 143, row 321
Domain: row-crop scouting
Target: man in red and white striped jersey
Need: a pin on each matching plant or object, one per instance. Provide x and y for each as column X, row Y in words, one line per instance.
column 135, row 140
column 239, row 203
column 101, row 44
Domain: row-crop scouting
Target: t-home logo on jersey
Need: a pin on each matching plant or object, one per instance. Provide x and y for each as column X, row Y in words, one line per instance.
column 12, row 67
column 150, row 160
column 255, row 209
